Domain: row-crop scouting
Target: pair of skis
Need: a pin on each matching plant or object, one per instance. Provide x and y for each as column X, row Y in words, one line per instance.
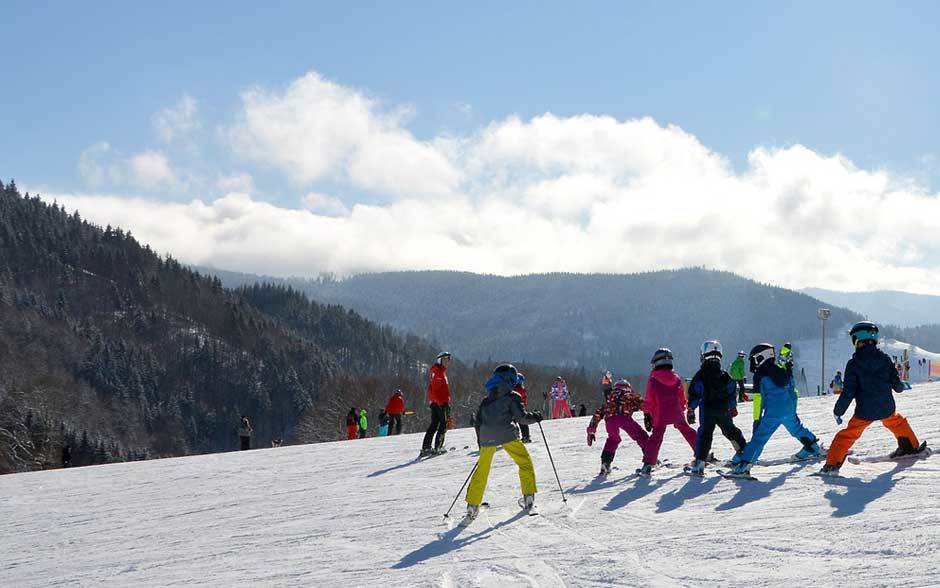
column 922, row 452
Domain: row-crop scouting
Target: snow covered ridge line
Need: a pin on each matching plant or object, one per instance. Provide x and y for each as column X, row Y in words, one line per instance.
column 352, row 513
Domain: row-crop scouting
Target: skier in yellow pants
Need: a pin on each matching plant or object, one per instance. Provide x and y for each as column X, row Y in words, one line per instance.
column 495, row 428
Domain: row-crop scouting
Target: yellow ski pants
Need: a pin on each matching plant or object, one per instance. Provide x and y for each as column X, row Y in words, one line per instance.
column 518, row 453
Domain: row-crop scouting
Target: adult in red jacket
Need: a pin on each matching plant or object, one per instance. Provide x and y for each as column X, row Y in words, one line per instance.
column 394, row 409
column 665, row 404
column 352, row 424
column 439, row 399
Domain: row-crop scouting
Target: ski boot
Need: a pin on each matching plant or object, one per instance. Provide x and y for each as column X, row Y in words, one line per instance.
column 425, row 452
column 439, row 451
column 605, row 468
column 472, row 511
column 527, row 504
column 742, row 468
column 697, row 468
column 711, row 458
column 646, row 471
column 905, row 447
column 808, row 452
column 527, row 439
column 829, row 470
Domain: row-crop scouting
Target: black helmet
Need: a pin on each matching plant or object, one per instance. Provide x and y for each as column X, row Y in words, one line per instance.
column 507, row 372
column 663, row 356
column 759, row 354
column 864, row 331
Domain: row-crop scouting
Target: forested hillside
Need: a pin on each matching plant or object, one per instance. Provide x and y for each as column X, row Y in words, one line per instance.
column 123, row 354
column 595, row 321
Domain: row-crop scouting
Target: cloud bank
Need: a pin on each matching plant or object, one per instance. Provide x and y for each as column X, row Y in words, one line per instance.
column 584, row 193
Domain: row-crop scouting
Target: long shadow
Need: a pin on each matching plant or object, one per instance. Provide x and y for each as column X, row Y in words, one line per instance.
column 643, row 487
column 754, row 490
column 693, row 488
column 598, row 483
column 860, row 493
column 449, row 542
column 393, row 468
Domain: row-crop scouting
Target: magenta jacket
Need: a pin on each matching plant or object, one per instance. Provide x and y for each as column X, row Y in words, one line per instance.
column 665, row 397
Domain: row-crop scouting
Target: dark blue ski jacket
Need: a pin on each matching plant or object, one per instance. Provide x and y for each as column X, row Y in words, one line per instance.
column 712, row 389
column 869, row 378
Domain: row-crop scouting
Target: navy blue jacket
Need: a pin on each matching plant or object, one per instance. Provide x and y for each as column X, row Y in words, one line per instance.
column 712, row 389
column 869, row 378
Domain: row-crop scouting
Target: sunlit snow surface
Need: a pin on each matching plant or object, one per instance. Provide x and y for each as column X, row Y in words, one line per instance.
column 364, row 513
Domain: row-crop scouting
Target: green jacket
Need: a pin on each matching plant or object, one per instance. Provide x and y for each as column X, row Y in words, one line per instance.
column 363, row 421
column 737, row 369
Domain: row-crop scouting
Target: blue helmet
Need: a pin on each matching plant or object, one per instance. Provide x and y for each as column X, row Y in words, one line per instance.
column 864, row 331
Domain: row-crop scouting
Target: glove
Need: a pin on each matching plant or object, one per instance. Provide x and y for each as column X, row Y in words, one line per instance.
column 733, row 412
column 591, row 438
column 690, row 416
column 537, row 416
column 838, row 419
column 648, row 422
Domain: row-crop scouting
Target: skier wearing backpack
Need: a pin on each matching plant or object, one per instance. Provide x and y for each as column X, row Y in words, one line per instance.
column 560, row 398
column 664, row 405
column 712, row 392
column 870, row 379
column 494, row 427
column 737, row 371
column 439, row 400
column 620, row 402
column 778, row 407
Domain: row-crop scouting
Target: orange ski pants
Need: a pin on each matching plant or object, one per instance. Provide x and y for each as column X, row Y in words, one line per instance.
column 847, row 437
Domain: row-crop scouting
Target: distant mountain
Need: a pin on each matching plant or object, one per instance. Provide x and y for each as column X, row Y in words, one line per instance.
column 593, row 321
column 885, row 306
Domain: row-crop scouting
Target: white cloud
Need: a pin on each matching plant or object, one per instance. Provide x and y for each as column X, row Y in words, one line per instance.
column 177, row 122
column 99, row 166
column 151, row 169
column 240, row 182
column 582, row 193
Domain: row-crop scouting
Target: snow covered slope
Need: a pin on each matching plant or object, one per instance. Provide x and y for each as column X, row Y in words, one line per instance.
column 364, row 513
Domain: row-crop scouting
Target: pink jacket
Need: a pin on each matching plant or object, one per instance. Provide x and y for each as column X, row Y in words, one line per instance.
column 665, row 397
column 560, row 391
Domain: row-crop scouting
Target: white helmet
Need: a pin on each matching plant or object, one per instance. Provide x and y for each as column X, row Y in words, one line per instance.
column 711, row 349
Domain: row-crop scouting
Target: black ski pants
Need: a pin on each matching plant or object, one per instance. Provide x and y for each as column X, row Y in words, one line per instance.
column 246, row 443
column 706, row 431
column 741, row 390
column 394, row 424
column 524, row 429
column 439, row 414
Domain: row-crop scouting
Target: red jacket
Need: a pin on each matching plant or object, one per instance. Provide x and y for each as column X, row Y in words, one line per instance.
column 396, row 404
column 665, row 397
column 438, row 388
column 521, row 391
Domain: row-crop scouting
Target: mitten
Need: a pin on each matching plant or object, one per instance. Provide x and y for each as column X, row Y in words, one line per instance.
column 690, row 416
column 838, row 419
column 591, row 438
column 733, row 412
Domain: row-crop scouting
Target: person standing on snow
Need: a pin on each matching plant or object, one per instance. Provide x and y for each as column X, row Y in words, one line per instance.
column 394, row 408
column 520, row 389
column 738, row 374
column 363, row 424
column 664, row 405
column 617, row 412
column 835, row 386
column 352, row 424
column 439, row 399
column 494, row 427
column 244, row 433
column 778, row 406
column 712, row 391
column 383, row 423
column 560, row 398
column 870, row 378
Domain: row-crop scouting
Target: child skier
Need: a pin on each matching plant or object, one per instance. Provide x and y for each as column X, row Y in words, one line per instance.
column 520, row 389
column 836, row 384
column 439, row 401
column 664, row 405
column 712, row 391
column 620, row 402
column 870, row 377
column 778, row 407
column 383, row 423
column 494, row 427
column 560, row 398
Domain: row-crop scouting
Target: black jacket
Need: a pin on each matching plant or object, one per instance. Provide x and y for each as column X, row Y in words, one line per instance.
column 712, row 389
column 869, row 379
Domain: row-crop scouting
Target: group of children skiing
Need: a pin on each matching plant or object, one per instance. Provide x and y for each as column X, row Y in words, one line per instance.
column 870, row 379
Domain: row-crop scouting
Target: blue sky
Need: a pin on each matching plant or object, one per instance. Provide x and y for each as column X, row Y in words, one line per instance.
column 849, row 78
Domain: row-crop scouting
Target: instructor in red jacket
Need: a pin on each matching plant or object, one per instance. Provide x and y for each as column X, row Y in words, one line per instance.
column 439, row 398
column 394, row 409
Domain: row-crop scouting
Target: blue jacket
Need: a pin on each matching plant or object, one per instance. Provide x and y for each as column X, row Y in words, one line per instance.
column 712, row 389
column 869, row 378
column 777, row 390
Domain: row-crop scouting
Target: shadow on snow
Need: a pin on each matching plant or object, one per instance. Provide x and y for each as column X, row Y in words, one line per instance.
column 693, row 488
column 860, row 493
column 643, row 487
column 754, row 490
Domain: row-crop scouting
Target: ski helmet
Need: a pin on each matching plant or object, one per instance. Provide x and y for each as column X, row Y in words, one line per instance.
column 520, row 379
column 864, row 331
column 711, row 350
column 507, row 372
column 442, row 355
column 623, row 386
column 662, row 357
column 742, row 354
column 759, row 354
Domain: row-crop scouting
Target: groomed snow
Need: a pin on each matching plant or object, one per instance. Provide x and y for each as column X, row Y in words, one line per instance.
column 364, row 513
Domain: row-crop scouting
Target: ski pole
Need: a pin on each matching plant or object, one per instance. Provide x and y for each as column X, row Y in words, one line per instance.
column 563, row 499
column 459, row 492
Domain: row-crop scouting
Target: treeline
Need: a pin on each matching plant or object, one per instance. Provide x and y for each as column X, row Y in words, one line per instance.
column 123, row 354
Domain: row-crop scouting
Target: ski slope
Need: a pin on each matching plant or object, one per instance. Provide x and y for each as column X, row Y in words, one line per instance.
column 365, row 513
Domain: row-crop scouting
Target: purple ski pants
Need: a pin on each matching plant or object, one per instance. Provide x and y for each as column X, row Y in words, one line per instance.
column 625, row 422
